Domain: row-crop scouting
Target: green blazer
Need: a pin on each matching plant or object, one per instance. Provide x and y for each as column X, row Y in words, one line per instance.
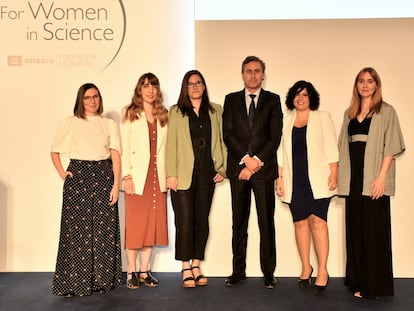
column 180, row 155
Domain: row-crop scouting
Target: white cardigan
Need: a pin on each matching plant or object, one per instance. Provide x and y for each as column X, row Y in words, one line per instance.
column 136, row 152
column 322, row 149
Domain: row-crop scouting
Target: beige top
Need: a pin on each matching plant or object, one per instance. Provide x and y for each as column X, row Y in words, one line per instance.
column 87, row 139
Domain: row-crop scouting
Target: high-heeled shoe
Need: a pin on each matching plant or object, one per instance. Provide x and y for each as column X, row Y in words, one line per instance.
column 188, row 282
column 306, row 282
column 132, row 282
column 319, row 289
column 200, row 279
column 149, row 281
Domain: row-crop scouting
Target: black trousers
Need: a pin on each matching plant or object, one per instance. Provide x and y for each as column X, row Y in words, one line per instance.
column 264, row 193
column 192, row 209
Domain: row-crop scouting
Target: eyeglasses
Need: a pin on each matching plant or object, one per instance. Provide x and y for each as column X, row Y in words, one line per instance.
column 194, row 84
column 94, row 97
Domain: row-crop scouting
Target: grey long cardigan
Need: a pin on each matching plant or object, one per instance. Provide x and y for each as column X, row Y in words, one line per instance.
column 384, row 139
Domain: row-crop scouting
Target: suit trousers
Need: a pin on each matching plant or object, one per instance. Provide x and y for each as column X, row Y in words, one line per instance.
column 264, row 193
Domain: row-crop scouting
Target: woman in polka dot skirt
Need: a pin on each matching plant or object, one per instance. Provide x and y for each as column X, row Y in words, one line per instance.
column 143, row 132
column 89, row 254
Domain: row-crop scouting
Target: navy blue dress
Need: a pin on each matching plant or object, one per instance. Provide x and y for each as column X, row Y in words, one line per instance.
column 303, row 203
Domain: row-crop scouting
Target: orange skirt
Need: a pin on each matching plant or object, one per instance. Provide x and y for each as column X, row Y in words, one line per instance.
column 145, row 220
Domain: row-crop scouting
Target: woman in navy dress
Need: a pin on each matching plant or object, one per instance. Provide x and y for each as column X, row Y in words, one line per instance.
column 308, row 163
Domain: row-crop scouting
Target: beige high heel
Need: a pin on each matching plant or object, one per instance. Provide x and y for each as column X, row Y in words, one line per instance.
column 188, row 282
column 200, row 279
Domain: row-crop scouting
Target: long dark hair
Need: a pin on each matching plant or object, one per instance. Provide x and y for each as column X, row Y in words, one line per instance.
column 184, row 102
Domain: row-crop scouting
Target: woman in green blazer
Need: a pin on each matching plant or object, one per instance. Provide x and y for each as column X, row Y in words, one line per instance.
column 195, row 162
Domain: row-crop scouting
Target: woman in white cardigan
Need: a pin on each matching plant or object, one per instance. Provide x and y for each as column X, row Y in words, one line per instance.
column 308, row 164
column 144, row 135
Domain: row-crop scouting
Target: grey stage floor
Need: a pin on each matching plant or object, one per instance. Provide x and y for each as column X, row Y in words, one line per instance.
column 31, row 291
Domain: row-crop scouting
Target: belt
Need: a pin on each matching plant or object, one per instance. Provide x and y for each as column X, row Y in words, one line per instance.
column 358, row 137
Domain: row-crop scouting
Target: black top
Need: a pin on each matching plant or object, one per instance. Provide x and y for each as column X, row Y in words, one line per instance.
column 200, row 131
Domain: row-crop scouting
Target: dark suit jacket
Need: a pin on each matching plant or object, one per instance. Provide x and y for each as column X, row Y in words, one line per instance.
column 262, row 140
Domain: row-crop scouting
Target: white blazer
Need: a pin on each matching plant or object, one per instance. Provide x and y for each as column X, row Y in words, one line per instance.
column 136, row 152
column 322, row 149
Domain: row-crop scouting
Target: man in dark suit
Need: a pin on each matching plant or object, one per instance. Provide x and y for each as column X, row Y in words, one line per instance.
column 252, row 129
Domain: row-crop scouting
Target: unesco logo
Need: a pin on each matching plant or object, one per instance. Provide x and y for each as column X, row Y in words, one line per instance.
column 68, row 33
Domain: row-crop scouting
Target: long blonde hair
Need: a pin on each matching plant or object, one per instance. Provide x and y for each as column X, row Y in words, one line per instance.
column 355, row 107
column 136, row 107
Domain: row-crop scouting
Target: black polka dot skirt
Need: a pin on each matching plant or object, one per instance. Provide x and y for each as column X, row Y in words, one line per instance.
column 89, row 254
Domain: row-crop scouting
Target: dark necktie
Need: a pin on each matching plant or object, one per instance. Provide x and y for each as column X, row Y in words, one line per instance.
column 252, row 109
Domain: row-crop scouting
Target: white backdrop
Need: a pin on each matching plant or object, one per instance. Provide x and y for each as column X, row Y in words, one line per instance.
column 46, row 54
column 329, row 53
column 39, row 79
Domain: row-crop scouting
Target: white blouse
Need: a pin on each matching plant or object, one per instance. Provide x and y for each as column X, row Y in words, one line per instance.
column 87, row 139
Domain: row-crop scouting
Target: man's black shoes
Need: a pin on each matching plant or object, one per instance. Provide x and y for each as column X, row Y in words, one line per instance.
column 234, row 279
column 270, row 282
